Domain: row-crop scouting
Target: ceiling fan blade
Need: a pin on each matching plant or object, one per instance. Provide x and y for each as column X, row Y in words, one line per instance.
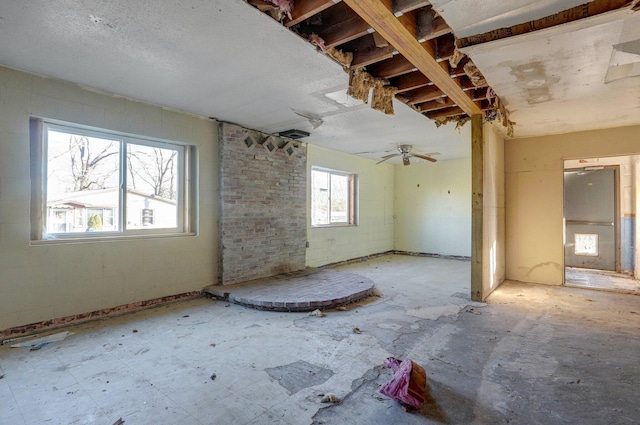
column 405, row 160
column 384, row 158
column 428, row 158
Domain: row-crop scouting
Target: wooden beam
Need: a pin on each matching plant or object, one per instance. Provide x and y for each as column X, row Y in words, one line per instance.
column 306, row 9
column 444, row 113
column 348, row 30
column 436, row 105
column 379, row 15
column 365, row 51
column 425, row 94
column 339, row 25
column 586, row 10
column 397, row 65
column 477, row 221
column 410, row 81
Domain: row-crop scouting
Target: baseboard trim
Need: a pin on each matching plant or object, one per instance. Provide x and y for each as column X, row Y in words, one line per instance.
column 47, row 325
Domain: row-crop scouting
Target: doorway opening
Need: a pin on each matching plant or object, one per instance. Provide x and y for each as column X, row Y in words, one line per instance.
column 600, row 204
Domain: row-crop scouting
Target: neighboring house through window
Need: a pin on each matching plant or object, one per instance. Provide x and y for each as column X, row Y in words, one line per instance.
column 97, row 183
column 333, row 197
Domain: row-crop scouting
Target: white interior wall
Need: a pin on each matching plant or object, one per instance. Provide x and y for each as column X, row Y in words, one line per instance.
column 51, row 280
column 433, row 207
column 374, row 232
column 493, row 214
column 534, row 196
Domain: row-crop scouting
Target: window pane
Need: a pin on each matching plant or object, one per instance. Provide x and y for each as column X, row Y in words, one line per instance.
column 339, row 199
column 319, row 197
column 152, row 187
column 82, row 182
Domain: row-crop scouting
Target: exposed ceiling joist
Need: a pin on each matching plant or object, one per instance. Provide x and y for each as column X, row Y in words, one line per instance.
column 403, row 6
column 425, row 94
column 586, row 10
column 346, row 26
column 365, row 51
column 410, row 81
column 305, row 9
column 393, row 67
column 401, row 34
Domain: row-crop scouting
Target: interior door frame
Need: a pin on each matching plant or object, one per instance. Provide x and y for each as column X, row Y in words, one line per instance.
column 617, row 221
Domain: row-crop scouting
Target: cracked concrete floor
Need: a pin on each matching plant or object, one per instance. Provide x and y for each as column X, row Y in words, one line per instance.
column 533, row 355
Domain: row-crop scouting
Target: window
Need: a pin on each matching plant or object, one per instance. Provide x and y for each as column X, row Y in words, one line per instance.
column 96, row 183
column 333, row 196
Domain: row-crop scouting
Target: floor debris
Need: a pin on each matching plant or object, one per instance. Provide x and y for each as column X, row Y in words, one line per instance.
column 330, row 398
column 473, row 311
column 357, row 331
column 409, row 383
column 341, row 308
column 38, row 343
column 213, row 377
column 316, row 313
column 118, row 422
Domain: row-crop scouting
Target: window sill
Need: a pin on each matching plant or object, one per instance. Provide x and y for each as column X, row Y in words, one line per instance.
column 329, row 226
column 97, row 239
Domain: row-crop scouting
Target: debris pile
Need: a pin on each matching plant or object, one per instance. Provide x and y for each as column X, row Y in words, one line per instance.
column 408, row 385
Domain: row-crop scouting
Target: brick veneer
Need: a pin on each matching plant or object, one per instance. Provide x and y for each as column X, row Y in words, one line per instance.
column 263, row 224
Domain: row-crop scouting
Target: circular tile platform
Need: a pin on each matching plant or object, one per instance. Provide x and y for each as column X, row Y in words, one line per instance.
column 298, row 291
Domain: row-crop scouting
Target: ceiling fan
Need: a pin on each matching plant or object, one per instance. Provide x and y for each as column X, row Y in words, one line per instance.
column 405, row 152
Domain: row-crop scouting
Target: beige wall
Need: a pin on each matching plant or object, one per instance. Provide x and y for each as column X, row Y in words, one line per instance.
column 374, row 232
column 493, row 214
column 40, row 282
column 534, row 196
column 433, row 207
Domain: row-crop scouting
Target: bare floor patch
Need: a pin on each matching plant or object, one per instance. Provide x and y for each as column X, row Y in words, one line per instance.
column 299, row 375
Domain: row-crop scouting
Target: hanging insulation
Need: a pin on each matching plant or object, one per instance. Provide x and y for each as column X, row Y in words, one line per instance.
column 474, row 74
column 360, row 82
column 382, row 98
column 341, row 57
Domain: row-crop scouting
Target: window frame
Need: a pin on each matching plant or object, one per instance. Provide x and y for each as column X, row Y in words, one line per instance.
column 352, row 198
column 185, row 212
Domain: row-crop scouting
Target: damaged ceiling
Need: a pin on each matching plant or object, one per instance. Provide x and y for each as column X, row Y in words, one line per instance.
column 281, row 64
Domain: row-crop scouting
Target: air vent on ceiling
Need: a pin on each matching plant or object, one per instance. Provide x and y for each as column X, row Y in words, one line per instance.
column 294, row 134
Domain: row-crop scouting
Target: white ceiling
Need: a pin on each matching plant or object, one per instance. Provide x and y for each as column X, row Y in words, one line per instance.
column 224, row 59
column 553, row 80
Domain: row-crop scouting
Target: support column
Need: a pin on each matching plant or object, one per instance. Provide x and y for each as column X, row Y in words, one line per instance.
column 477, row 183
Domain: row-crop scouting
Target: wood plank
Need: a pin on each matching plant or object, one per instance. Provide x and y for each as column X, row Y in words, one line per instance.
column 365, row 52
column 425, row 94
column 405, row 6
column 351, row 28
column 582, row 11
column 306, row 9
column 477, row 221
column 410, row 81
column 379, row 15
column 444, row 113
column 435, row 105
column 389, row 68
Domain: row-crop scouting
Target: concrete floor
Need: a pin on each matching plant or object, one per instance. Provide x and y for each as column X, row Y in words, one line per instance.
column 533, row 355
column 601, row 279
